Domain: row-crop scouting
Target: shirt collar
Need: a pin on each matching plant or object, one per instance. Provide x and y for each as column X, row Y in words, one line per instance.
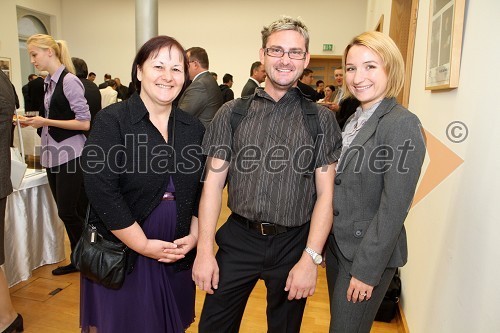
column 55, row 77
column 199, row 74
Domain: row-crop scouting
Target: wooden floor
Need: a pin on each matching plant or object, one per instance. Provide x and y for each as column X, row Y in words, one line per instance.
column 50, row 304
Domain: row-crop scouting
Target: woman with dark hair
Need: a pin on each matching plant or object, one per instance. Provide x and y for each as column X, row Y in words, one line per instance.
column 144, row 192
column 327, row 100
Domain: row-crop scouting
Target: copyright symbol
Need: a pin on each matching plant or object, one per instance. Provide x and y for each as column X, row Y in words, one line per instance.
column 457, row 132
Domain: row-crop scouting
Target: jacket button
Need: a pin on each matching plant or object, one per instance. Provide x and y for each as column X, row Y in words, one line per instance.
column 358, row 233
column 338, row 181
column 335, row 212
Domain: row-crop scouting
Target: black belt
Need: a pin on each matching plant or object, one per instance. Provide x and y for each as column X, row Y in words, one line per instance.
column 263, row 228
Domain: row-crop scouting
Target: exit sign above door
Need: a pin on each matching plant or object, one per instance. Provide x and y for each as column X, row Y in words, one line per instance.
column 327, row 47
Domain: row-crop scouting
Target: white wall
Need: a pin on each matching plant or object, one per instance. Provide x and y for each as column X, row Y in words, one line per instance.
column 9, row 42
column 228, row 30
column 376, row 8
column 451, row 280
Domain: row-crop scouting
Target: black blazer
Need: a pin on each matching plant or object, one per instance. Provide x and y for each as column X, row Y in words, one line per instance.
column 93, row 97
column 36, row 93
column 127, row 191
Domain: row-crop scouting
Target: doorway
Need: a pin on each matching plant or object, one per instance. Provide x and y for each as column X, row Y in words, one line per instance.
column 323, row 67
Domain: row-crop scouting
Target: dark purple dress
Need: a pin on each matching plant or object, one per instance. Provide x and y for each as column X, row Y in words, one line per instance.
column 154, row 298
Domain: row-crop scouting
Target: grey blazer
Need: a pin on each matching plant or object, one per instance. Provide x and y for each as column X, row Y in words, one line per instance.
column 374, row 188
column 249, row 88
column 202, row 98
column 7, row 107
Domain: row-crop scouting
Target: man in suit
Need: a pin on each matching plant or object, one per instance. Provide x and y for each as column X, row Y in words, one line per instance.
column 7, row 107
column 107, row 77
column 257, row 76
column 26, row 95
column 36, row 93
column 92, row 94
column 202, row 98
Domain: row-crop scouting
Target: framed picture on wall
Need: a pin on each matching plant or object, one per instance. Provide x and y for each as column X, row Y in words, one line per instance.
column 5, row 66
column 444, row 44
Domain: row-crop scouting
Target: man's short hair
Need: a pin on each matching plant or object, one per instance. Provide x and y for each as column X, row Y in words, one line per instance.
column 319, row 82
column 282, row 24
column 306, row 72
column 254, row 67
column 226, row 78
column 107, row 77
column 81, row 69
column 199, row 54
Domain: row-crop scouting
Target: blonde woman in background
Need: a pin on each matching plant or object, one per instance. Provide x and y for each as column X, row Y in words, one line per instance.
column 63, row 117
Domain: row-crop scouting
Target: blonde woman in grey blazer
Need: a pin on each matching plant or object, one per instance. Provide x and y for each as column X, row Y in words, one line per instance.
column 382, row 154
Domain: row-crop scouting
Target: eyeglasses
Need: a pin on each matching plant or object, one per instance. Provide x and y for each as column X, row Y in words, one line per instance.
column 279, row 53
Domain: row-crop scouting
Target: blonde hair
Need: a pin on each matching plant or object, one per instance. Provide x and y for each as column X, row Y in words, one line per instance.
column 392, row 59
column 59, row 47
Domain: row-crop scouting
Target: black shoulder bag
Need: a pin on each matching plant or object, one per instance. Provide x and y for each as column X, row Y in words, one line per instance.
column 389, row 306
column 99, row 259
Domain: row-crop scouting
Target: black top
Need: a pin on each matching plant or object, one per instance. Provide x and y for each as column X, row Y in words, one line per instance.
column 308, row 91
column 93, row 97
column 227, row 93
column 127, row 191
column 59, row 109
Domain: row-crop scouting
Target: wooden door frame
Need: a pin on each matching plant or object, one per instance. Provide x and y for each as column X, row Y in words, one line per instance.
column 409, row 16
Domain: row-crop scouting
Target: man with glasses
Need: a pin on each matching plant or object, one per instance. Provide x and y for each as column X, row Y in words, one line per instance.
column 281, row 215
column 202, row 97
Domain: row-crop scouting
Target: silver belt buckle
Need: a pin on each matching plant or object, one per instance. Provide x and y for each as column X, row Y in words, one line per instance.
column 262, row 228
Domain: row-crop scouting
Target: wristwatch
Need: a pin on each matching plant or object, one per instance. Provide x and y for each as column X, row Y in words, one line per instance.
column 316, row 257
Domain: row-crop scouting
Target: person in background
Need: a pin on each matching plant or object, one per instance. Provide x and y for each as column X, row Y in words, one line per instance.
column 107, row 78
column 327, row 101
column 36, row 92
column 25, row 90
column 10, row 320
column 257, row 76
column 202, row 98
column 280, row 217
column 225, row 88
column 121, row 90
column 338, row 94
column 109, row 95
column 320, row 87
column 91, row 77
column 372, row 197
column 63, row 119
column 92, row 94
column 304, row 84
column 214, row 75
column 150, row 204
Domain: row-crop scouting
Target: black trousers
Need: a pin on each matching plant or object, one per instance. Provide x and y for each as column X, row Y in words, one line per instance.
column 66, row 184
column 244, row 257
column 348, row 317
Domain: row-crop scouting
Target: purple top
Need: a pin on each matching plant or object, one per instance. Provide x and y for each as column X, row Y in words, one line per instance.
column 70, row 148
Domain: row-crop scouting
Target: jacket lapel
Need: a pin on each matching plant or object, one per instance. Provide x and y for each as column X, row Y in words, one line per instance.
column 367, row 131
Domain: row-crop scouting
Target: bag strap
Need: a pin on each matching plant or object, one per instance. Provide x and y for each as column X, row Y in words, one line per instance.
column 311, row 119
column 21, row 143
